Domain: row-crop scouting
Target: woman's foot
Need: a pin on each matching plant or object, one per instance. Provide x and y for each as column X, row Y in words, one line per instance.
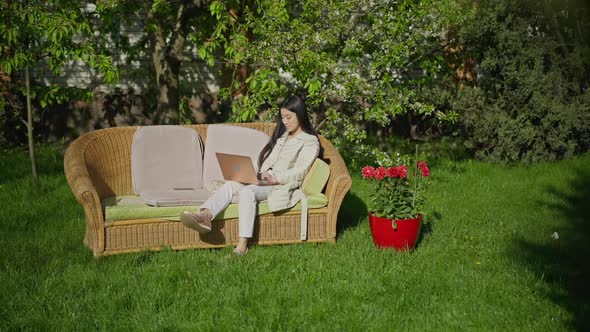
column 239, row 252
column 201, row 221
column 236, row 253
column 242, row 247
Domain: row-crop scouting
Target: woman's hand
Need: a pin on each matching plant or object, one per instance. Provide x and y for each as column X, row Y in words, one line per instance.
column 266, row 176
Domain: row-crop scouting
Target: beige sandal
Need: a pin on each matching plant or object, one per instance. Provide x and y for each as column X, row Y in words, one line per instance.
column 201, row 222
column 239, row 252
column 236, row 253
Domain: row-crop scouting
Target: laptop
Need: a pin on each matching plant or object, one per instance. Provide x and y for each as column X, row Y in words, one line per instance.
column 239, row 168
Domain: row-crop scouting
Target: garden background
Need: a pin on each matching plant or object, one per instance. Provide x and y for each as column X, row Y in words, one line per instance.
column 495, row 93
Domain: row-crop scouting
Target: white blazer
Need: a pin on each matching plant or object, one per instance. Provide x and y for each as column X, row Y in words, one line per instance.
column 289, row 161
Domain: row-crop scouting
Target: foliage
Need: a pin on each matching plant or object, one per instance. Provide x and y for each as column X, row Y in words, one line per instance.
column 165, row 27
column 398, row 191
column 45, row 36
column 530, row 99
column 355, row 61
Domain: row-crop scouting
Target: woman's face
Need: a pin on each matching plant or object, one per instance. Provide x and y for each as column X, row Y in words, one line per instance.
column 290, row 121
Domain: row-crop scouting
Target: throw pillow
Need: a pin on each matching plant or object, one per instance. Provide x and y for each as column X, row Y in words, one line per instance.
column 316, row 178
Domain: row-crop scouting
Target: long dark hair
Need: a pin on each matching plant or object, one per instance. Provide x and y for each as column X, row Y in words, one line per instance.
column 296, row 105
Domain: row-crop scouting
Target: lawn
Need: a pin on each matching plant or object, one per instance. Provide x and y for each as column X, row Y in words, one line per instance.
column 502, row 248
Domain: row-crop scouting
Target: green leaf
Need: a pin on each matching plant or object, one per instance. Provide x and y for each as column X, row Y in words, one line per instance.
column 202, row 52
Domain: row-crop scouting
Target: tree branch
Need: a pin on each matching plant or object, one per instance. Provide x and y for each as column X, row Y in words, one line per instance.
column 177, row 39
column 321, row 124
column 179, row 33
column 24, row 122
column 157, row 36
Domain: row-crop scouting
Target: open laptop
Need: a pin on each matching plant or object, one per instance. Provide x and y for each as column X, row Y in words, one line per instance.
column 239, row 168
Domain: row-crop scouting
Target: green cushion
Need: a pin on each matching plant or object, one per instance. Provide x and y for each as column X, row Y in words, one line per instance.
column 316, row 178
column 132, row 207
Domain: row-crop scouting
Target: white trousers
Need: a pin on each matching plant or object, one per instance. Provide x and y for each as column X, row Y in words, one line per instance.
column 247, row 197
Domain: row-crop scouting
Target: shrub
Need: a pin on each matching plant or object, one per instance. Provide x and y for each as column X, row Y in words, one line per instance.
column 529, row 100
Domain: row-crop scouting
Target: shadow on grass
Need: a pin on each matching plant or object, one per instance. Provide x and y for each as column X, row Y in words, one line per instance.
column 427, row 226
column 352, row 212
column 563, row 263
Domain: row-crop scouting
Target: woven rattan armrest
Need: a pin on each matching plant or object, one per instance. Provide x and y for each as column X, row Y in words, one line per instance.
column 79, row 180
column 338, row 184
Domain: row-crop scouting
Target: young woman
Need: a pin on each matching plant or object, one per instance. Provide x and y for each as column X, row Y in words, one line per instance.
column 284, row 162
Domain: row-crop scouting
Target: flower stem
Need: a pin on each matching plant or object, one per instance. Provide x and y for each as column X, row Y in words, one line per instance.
column 415, row 178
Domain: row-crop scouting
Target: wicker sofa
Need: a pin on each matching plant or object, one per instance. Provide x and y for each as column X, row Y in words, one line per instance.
column 98, row 166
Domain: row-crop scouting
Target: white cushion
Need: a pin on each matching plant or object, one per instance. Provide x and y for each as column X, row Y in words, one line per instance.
column 230, row 139
column 166, row 157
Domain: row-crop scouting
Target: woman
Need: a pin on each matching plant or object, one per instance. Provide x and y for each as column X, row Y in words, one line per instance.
column 285, row 160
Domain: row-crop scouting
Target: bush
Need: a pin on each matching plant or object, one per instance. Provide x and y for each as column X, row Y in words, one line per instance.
column 529, row 100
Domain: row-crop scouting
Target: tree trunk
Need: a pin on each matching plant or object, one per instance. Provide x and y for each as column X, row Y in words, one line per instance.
column 30, row 126
column 167, row 69
column 167, row 45
column 413, row 126
column 167, row 48
column 236, row 72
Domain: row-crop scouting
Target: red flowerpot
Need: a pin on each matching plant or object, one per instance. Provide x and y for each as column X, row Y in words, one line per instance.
column 401, row 235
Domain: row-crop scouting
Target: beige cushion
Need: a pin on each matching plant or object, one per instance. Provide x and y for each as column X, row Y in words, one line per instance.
column 230, row 139
column 166, row 157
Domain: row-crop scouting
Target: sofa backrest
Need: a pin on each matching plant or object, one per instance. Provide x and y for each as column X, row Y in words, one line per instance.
column 233, row 140
column 165, row 157
column 106, row 154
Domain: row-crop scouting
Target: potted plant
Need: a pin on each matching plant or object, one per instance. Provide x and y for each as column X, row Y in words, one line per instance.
column 396, row 202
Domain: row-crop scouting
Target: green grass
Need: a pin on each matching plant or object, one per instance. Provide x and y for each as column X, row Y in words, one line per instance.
column 486, row 261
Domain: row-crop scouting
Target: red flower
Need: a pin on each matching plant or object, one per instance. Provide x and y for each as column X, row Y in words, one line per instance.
column 424, row 168
column 425, row 171
column 392, row 172
column 380, row 173
column 368, row 172
column 402, row 171
column 397, row 199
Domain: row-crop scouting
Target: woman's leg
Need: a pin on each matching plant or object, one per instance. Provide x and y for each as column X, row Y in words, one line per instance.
column 221, row 198
column 201, row 221
column 248, row 197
